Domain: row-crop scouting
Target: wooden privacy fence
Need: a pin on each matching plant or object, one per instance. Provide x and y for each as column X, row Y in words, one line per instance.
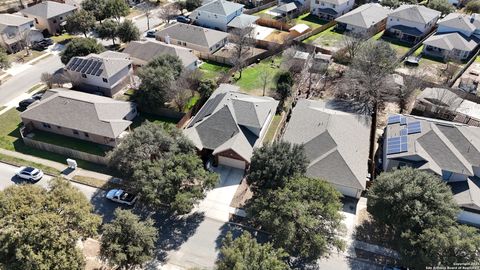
column 271, row 23
column 315, row 31
column 262, row 7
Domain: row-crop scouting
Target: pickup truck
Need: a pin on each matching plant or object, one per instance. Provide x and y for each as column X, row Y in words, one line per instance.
column 121, row 196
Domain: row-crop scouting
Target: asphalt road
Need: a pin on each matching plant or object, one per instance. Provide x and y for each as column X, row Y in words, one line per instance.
column 22, row 82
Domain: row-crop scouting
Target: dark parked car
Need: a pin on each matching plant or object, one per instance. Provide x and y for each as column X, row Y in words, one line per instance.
column 151, row 33
column 25, row 103
column 42, row 44
column 183, row 19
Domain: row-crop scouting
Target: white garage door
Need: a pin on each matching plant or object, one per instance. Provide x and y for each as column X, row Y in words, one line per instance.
column 469, row 217
column 235, row 163
column 347, row 191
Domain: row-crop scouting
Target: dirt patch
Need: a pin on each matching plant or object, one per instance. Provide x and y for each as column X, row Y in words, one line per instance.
column 91, row 251
column 371, row 231
column 278, row 36
column 242, row 195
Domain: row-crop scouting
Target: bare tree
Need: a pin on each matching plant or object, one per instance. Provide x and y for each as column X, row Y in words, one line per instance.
column 264, row 77
column 25, row 40
column 290, row 61
column 167, row 12
column 47, row 79
column 243, row 40
column 351, row 43
column 190, row 79
column 411, row 83
column 180, row 97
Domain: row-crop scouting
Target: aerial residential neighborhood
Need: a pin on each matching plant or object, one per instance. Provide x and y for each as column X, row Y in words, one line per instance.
column 239, row 135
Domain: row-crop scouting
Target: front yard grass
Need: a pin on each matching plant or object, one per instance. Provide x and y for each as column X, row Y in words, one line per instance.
column 213, row 70
column 251, row 76
column 327, row 38
column 311, row 20
column 21, row 57
column 21, row 162
column 63, row 38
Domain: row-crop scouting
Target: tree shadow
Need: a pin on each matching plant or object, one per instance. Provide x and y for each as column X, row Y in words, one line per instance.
column 104, row 207
column 373, row 232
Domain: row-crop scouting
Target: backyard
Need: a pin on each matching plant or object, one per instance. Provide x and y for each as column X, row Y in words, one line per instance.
column 310, row 20
column 270, row 136
column 252, row 76
column 212, row 70
column 400, row 47
column 326, row 39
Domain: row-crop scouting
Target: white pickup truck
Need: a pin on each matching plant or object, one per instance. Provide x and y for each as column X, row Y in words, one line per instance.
column 121, row 196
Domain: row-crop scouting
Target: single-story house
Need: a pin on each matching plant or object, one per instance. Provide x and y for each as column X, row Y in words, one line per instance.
column 13, row 30
column 193, row 37
column 410, row 23
column 336, row 144
column 330, row 9
column 49, row 15
column 367, row 19
column 105, row 73
column 142, row 52
column 230, row 125
column 80, row 115
column 216, row 14
column 449, row 46
column 447, row 149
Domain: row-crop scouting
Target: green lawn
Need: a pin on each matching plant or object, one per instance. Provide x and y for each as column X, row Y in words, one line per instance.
column 191, row 102
column 378, row 35
column 72, row 143
column 310, row 20
column 251, row 76
column 10, row 139
column 142, row 117
column 327, row 38
column 20, row 56
column 400, row 47
column 63, row 38
column 263, row 13
column 212, row 70
column 272, row 129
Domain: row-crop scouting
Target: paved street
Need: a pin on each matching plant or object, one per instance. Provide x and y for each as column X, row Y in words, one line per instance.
column 22, row 82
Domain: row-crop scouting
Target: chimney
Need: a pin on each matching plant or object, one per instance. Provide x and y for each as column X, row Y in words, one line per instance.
column 167, row 39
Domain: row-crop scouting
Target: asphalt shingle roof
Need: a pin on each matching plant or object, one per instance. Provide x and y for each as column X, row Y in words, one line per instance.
column 148, row 50
column 220, row 7
column 364, row 16
column 48, row 9
column 13, row 20
column 81, row 111
column 451, row 41
column 193, row 34
column 106, row 64
column 336, row 142
column 458, row 21
column 242, row 21
column 415, row 13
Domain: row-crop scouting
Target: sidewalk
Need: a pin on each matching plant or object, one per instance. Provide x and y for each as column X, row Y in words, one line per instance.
column 59, row 166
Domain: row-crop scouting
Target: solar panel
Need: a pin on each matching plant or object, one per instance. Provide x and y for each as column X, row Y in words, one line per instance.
column 74, row 60
column 414, row 127
column 403, row 132
column 393, row 119
column 80, row 66
column 397, row 145
column 95, row 67
column 90, row 67
column 99, row 72
column 403, row 120
column 87, row 66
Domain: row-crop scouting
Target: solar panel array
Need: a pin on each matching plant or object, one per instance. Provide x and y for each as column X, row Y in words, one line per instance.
column 414, row 127
column 207, row 109
column 393, row 119
column 403, row 132
column 397, row 145
column 89, row 66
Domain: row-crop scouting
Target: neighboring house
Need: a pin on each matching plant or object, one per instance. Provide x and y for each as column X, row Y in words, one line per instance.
column 449, row 46
column 336, row 144
column 105, row 73
column 285, row 9
column 467, row 25
column 49, row 15
column 14, row 31
column 216, row 14
column 243, row 21
column 142, row 52
column 444, row 104
column 230, row 125
column 410, row 23
column 193, row 37
column 449, row 150
column 80, row 115
column 330, row 9
column 367, row 19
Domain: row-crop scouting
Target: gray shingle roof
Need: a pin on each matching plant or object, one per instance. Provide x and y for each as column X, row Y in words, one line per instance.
column 467, row 193
column 48, row 9
column 220, row 7
column 231, row 120
column 415, row 13
column 336, row 142
column 408, row 30
column 285, row 8
column 458, row 21
column 451, row 41
column 364, row 16
column 81, row 111
column 242, row 21
column 147, row 50
column 106, row 64
column 193, row 34
column 13, row 20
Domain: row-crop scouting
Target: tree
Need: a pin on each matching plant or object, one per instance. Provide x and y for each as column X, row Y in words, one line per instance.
column 40, row 227
column 4, row 61
column 25, row 40
column 284, row 85
column 473, row 6
column 172, row 62
column 96, row 7
column 206, row 88
column 303, row 217
column 192, row 4
column 273, row 165
column 127, row 31
column 108, row 30
column 264, row 78
column 441, row 5
column 391, row 3
column 116, row 9
column 80, row 47
column 411, row 200
column 127, row 242
column 243, row 41
column 175, row 182
column 167, row 12
column 148, row 142
column 245, row 253
column 411, row 83
column 47, row 78
column 80, row 22
column 367, row 81
column 352, row 43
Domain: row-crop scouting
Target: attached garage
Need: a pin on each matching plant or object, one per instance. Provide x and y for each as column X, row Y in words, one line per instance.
column 348, row 191
column 231, row 162
column 469, row 217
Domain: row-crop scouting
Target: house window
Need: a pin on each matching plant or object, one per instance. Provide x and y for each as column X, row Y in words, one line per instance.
column 45, row 125
column 84, row 75
column 54, row 21
column 59, row 127
column 322, row 4
column 334, row 6
column 75, row 132
column 105, row 80
column 179, row 42
column 86, row 134
column 61, row 18
column 36, row 20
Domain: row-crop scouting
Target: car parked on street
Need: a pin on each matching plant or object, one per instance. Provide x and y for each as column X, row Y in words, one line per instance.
column 42, row 44
column 30, row 174
column 121, row 196
column 27, row 102
column 151, row 33
column 183, row 19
